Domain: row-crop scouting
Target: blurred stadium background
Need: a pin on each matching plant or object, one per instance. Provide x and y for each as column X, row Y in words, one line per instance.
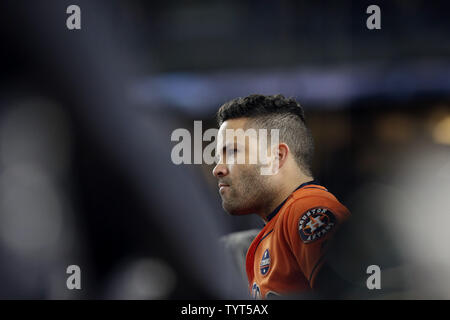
column 86, row 117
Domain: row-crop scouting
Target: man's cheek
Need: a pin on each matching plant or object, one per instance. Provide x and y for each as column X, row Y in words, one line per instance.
column 231, row 169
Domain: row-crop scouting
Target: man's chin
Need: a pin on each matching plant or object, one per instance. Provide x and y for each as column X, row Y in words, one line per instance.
column 231, row 210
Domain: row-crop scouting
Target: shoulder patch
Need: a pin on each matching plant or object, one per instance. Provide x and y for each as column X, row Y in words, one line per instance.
column 315, row 223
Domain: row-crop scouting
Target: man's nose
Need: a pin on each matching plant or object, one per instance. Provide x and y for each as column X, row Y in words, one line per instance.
column 220, row 170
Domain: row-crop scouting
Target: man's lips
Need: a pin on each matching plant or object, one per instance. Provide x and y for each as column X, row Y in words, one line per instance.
column 222, row 186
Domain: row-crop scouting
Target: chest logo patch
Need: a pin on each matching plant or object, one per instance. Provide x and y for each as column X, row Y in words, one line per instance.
column 315, row 223
column 264, row 265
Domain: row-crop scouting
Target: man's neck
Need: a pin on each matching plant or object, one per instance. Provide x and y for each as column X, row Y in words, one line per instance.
column 282, row 195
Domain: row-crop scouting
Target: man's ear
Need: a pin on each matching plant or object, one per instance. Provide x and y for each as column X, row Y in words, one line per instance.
column 282, row 154
column 279, row 156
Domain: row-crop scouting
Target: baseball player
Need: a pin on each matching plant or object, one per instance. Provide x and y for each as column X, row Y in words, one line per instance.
column 288, row 256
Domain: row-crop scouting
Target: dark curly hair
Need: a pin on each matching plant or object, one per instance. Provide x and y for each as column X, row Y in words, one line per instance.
column 275, row 112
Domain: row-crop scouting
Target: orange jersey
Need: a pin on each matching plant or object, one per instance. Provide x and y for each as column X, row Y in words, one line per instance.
column 289, row 251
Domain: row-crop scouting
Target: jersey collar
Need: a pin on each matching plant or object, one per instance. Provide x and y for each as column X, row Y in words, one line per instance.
column 274, row 212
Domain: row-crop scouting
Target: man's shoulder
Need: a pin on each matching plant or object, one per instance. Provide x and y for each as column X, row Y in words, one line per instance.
column 312, row 199
column 312, row 190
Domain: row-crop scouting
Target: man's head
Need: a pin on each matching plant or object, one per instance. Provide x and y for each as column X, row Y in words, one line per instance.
column 245, row 190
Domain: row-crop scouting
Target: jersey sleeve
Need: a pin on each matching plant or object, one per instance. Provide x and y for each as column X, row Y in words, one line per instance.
column 308, row 226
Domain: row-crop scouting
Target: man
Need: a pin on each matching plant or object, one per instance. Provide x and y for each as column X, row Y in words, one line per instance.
column 288, row 255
